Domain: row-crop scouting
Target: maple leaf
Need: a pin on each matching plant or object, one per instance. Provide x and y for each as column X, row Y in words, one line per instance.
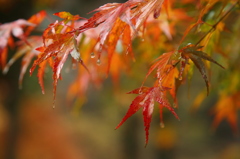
column 227, row 108
column 67, row 15
column 35, row 19
column 16, row 29
column 166, row 73
column 112, row 27
column 79, row 86
column 145, row 100
column 169, row 81
column 58, row 43
column 63, row 43
column 20, row 29
column 28, row 53
column 120, row 64
column 113, row 38
column 119, row 21
column 160, row 65
column 194, row 53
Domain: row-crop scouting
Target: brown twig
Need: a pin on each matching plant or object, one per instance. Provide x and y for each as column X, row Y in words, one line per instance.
column 215, row 25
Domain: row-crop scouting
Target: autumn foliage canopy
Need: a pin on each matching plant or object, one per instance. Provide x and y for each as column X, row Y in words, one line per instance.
column 174, row 40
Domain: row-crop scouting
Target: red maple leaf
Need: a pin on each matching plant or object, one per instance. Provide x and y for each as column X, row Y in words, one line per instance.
column 120, row 21
column 58, row 43
column 146, row 98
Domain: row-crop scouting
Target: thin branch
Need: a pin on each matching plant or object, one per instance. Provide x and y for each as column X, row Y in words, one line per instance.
column 215, row 25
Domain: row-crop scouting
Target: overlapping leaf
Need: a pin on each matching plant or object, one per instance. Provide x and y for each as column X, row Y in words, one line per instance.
column 160, row 65
column 113, row 25
column 58, row 44
column 35, row 19
column 65, row 46
column 16, row 29
column 119, row 21
column 28, row 53
column 196, row 55
column 166, row 73
column 20, row 29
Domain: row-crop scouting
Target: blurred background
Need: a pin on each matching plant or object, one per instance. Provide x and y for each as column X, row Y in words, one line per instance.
column 31, row 129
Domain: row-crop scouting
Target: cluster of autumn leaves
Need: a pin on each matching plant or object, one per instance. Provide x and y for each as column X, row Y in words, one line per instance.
column 102, row 46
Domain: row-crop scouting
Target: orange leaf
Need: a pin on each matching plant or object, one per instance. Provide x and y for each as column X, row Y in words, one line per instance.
column 28, row 54
column 169, row 81
column 35, row 19
column 160, row 65
column 227, row 108
column 67, row 15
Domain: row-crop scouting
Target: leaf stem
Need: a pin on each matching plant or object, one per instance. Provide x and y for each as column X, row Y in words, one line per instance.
column 215, row 25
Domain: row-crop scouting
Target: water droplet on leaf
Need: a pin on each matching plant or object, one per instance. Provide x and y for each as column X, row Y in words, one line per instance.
column 162, row 125
column 157, row 13
column 175, row 105
column 92, row 55
column 98, row 62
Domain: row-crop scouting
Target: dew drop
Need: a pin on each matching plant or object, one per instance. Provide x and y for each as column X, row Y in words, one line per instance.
column 143, row 40
column 98, row 62
column 162, row 125
column 157, row 13
column 175, row 105
column 92, row 55
column 180, row 78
